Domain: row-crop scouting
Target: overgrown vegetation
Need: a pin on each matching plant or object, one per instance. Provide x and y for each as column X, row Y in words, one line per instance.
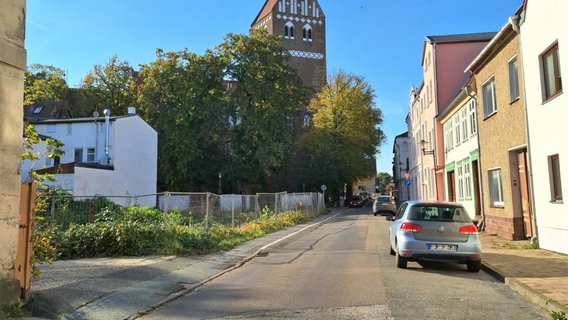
column 558, row 315
column 138, row 231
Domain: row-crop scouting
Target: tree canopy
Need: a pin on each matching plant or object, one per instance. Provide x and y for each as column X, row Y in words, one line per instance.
column 111, row 86
column 263, row 107
column 345, row 132
column 44, row 83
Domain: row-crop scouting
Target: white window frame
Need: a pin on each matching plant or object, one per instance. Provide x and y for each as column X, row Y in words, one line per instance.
column 460, row 180
column 289, row 32
column 90, row 154
column 467, row 179
column 472, row 117
column 514, row 91
column 489, row 99
column 495, row 181
column 463, row 118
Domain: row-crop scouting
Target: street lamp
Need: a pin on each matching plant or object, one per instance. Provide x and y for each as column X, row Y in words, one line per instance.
column 424, row 151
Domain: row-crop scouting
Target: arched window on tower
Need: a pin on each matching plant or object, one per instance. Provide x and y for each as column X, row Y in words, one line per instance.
column 289, row 30
column 307, row 33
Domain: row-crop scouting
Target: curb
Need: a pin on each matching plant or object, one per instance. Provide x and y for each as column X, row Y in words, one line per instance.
column 524, row 291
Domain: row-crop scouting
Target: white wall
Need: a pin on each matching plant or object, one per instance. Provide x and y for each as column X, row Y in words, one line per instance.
column 546, row 121
column 133, row 148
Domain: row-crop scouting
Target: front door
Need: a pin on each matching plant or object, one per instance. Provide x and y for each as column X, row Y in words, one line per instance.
column 525, row 195
column 451, row 186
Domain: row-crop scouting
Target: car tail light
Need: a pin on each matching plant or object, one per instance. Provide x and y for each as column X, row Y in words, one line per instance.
column 471, row 229
column 410, row 227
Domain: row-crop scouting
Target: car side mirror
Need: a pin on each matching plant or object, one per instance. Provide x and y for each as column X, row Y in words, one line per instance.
column 389, row 217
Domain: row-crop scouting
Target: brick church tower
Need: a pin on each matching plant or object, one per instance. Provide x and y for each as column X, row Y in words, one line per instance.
column 301, row 23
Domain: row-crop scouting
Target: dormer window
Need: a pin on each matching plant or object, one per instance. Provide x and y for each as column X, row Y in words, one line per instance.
column 289, row 30
column 307, row 33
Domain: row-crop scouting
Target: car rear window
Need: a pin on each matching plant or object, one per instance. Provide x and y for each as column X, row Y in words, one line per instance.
column 384, row 199
column 449, row 214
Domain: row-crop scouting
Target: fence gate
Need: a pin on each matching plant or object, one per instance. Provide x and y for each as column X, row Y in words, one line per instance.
column 23, row 265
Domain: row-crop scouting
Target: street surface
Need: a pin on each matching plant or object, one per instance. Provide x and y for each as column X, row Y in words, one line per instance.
column 343, row 270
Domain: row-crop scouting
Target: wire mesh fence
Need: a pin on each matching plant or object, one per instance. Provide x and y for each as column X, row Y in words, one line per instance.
column 193, row 208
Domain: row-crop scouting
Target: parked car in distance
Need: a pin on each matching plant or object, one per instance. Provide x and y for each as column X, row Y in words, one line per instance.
column 384, row 204
column 356, row 202
column 434, row 231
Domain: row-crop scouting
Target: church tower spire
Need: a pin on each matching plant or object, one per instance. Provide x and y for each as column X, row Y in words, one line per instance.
column 301, row 23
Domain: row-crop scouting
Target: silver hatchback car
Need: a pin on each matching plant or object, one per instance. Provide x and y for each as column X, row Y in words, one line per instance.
column 434, row 231
column 384, row 205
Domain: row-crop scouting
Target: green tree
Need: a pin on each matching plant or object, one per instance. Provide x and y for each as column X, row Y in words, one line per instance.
column 262, row 108
column 383, row 179
column 345, row 133
column 182, row 96
column 44, row 83
column 111, row 86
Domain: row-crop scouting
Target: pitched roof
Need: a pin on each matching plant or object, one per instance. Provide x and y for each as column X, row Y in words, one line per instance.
column 468, row 37
column 47, row 110
column 266, row 9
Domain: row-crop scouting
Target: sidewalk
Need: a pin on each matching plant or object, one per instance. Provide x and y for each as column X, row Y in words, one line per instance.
column 537, row 275
column 121, row 288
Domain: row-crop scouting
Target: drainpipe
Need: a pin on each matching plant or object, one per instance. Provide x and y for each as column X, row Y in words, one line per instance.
column 482, row 194
column 515, row 22
column 106, row 157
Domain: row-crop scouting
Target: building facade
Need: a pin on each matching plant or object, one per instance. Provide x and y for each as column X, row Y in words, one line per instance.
column 401, row 167
column 301, row 23
column 545, row 56
column 461, row 153
column 12, row 67
column 502, row 136
column 115, row 157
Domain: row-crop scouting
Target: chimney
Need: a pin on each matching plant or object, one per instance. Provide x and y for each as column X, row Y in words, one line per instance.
column 131, row 110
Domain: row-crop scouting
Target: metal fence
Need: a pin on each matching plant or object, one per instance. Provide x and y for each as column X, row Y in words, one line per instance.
column 194, row 208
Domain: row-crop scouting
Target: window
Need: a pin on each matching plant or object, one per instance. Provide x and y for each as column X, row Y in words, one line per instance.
column 472, row 117
column 467, row 178
column 69, row 129
column 289, row 31
column 555, row 182
column 307, row 33
column 513, row 80
column 37, row 110
column 459, row 168
column 463, row 119
column 91, row 155
column 449, row 136
column 307, row 120
column 78, row 155
column 551, row 72
column 489, row 104
column 457, row 128
column 495, row 188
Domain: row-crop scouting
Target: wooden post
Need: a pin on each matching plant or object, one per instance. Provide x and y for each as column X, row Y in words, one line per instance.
column 23, row 267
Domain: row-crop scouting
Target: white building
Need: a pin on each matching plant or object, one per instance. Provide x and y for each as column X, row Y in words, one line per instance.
column 119, row 163
column 401, row 167
column 545, row 54
column 461, row 153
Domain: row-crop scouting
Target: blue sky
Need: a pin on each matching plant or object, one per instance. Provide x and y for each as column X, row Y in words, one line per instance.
column 378, row 40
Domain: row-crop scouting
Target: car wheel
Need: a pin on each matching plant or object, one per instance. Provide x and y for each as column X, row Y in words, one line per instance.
column 375, row 214
column 401, row 262
column 392, row 253
column 474, row 266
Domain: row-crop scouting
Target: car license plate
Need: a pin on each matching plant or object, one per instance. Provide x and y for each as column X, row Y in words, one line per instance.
column 442, row 247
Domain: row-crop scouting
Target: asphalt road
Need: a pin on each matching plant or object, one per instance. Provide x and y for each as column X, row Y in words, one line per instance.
column 343, row 270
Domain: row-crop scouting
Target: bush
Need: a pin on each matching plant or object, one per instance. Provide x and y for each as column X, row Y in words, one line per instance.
column 141, row 232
